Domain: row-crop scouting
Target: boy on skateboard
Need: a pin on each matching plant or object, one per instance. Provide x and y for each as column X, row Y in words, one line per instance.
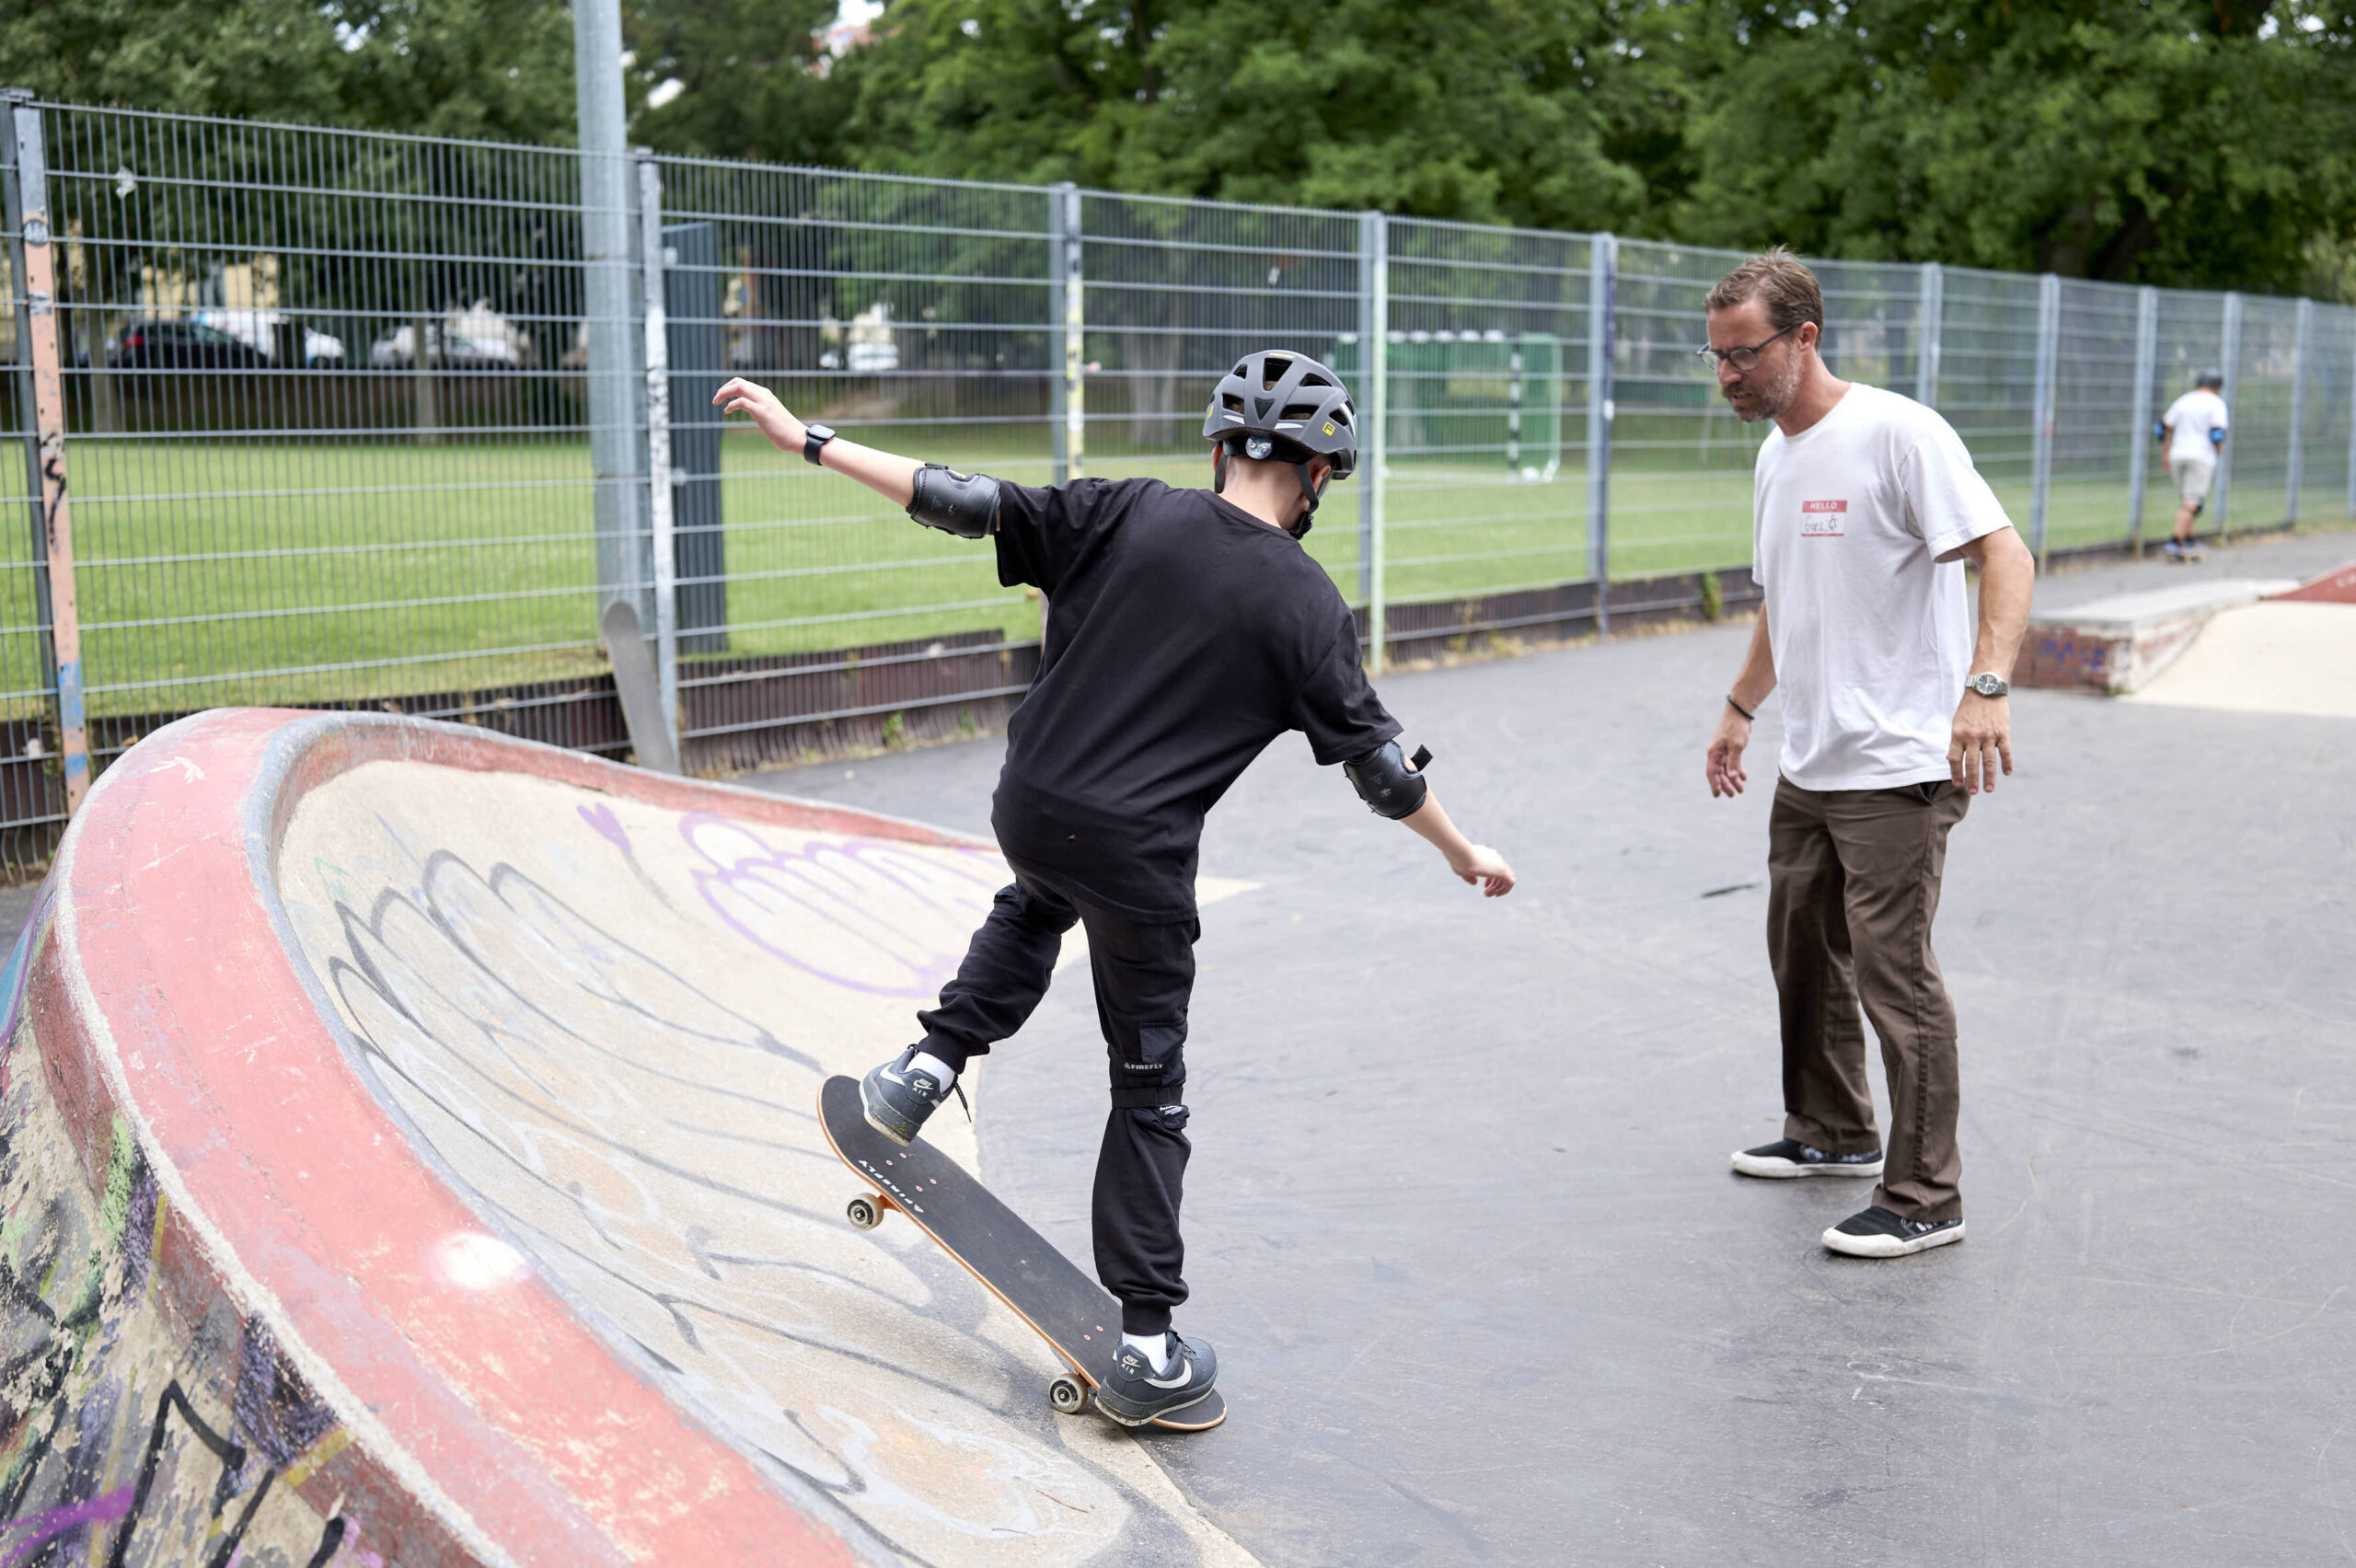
column 1185, row 630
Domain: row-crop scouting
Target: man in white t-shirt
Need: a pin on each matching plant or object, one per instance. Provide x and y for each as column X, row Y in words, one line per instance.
column 2193, row 431
column 1866, row 506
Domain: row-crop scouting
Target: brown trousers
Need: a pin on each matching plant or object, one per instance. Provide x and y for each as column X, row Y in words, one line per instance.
column 1852, row 888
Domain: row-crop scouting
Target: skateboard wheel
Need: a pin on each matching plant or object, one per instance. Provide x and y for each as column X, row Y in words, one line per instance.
column 1066, row 1395
column 864, row 1213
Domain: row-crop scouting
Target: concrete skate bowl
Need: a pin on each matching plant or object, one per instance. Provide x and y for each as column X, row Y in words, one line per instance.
column 410, row 1158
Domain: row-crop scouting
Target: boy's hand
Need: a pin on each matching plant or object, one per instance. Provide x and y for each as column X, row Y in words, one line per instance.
column 1484, row 866
column 750, row 398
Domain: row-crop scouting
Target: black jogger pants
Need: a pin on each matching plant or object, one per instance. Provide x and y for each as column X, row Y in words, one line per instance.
column 1145, row 973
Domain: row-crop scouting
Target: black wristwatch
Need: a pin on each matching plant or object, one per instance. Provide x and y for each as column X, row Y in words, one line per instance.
column 814, row 437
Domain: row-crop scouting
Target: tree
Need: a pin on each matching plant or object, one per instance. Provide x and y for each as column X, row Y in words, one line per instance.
column 1478, row 109
column 752, row 81
column 2193, row 142
column 499, row 69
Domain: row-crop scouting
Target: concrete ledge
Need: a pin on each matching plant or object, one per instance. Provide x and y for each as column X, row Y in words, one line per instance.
column 2114, row 644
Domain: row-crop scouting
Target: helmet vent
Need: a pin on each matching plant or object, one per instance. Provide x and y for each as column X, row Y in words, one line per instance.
column 1298, row 411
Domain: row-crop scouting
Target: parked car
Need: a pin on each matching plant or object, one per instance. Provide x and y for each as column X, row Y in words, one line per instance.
column 262, row 330
column 475, row 340
column 180, row 345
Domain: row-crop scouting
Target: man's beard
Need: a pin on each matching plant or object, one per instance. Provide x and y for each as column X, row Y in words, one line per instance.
column 1768, row 399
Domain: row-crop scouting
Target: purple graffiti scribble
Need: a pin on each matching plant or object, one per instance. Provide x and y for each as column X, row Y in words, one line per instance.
column 601, row 817
column 57, row 1521
column 799, row 873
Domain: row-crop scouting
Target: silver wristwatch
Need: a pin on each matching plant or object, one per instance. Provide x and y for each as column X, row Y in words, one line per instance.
column 1987, row 684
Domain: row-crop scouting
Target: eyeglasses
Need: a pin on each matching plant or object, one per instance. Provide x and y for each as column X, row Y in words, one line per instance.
column 1744, row 359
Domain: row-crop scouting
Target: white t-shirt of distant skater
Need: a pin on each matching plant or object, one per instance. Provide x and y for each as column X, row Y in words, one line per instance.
column 2191, row 418
column 1858, row 521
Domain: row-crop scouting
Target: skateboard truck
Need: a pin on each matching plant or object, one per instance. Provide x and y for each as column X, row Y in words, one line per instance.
column 1067, row 1393
column 1073, row 1313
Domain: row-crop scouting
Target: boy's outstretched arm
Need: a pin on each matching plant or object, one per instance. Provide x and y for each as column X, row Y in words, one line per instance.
column 891, row 477
column 1472, row 862
column 1392, row 785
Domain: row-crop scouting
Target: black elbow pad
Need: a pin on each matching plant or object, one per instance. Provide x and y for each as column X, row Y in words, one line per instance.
column 1386, row 782
column 963, row 504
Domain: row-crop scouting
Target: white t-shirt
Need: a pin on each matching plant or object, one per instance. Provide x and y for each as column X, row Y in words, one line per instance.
column 1870, row 629
column 2191, row 418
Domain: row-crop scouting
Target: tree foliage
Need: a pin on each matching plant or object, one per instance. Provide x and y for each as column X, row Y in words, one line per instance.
column 501, row 69
column 2191, row 142
column 2187, row 141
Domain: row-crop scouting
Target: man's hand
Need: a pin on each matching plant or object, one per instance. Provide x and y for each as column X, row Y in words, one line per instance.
column 1481, row 864
column 776, row 422
column 1723, row 766
column 1983, row 736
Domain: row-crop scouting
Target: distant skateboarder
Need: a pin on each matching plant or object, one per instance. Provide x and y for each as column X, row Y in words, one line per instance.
column 1894, row 715
column 1186, row 629
column 2193, row 429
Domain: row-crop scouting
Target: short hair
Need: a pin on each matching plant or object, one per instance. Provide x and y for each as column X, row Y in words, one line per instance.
column 1780, row 280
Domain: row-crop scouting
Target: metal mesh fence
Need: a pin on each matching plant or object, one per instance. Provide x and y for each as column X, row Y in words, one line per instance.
column 359, row 418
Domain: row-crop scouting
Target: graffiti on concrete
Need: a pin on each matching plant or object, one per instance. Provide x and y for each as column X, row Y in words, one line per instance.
column 124, row 1439
column 624, row 1091
column 903, row 913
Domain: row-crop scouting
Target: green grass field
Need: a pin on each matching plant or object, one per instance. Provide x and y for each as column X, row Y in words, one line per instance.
column 214, row 571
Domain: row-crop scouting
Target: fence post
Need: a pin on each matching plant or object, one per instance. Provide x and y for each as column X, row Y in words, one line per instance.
column 1067, row 308
column 605, row 252
column 1932, row 308
column 2352, row 415
column 2222, row 486
column 54, row 548
column 1370, row 238
column 2049, row 337
column 661, row 499
column 2295, row 461
column 1374, row 431
column 1602, row 296
column 2139, row 430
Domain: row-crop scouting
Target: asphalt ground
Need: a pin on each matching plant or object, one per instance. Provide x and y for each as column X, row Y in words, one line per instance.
column 1461, row 1223
column 1460, row 1218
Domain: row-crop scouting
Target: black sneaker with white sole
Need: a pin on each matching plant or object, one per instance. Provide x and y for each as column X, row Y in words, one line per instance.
column 1137, row 1393
column 1878, row 1233
column 1789, row 1157
column 897, row 1098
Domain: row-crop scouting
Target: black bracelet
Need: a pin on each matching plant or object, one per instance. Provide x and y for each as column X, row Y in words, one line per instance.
column 1748, row 715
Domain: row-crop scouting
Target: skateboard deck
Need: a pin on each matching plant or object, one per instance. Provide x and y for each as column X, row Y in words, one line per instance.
column 640, row 693
column 1078, row 1317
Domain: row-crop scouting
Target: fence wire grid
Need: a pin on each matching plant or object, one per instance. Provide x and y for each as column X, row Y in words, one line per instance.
column 350, row 418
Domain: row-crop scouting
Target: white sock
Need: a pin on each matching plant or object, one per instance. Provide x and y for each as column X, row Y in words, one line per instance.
column 942, row 1073
column 1155, row 1348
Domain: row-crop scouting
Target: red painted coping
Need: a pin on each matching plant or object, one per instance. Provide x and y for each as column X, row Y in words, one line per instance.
column 487, row 1425
column 2337, row 586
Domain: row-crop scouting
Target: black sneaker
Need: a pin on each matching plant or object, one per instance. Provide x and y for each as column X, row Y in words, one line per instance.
column 1137, row 1393
column 1789, row 1157
column 1878, row 1233
column 897, row 1098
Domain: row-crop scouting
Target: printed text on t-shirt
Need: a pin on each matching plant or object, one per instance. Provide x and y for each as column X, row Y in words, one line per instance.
column 1822, row 519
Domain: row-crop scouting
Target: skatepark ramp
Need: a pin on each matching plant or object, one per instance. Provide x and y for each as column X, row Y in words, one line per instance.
column 409, row 1156
column 2243, row 644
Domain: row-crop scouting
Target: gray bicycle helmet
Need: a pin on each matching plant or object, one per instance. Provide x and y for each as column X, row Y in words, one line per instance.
column 2211, row 378
column 1282, row 405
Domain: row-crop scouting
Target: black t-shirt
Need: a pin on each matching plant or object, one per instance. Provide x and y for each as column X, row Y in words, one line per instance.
column 1183, row 635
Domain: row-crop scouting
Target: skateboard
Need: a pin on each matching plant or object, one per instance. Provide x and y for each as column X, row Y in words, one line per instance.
column 1077, row 1317
column 635, row 683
